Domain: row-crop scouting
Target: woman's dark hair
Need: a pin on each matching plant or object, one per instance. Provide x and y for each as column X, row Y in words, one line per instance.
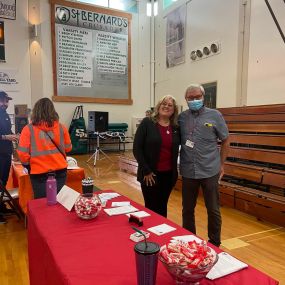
column 44, row 112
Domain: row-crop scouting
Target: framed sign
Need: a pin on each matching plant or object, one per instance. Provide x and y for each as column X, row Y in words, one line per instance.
column 8, row 9
column 9, row 80
column 91, row 53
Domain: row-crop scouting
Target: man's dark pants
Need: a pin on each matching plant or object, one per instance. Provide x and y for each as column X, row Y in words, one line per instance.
column 190, row 190
column 5, row 165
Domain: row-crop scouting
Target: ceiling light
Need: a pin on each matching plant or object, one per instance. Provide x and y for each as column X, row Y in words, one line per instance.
column 155, row 8
column 148, row 9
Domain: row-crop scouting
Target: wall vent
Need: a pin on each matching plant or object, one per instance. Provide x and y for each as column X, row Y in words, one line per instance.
column 205, row 51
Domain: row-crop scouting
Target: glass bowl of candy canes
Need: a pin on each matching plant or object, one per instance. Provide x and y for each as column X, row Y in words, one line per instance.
column 187, row 262
column 88, row 206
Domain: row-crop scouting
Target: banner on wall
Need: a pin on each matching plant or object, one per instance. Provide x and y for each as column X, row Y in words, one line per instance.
column 8, row 9
column 8, row 80
column 175, row 36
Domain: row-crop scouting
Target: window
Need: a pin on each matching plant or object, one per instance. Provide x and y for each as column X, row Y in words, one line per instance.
column 103, row 3
column 168, row 3
column 123, row 5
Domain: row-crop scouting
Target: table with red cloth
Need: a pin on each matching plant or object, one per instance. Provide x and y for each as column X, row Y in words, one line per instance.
column 21, row 180
column 64, row 249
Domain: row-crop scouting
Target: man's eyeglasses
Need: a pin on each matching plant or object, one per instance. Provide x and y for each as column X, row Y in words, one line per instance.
column 192, row 98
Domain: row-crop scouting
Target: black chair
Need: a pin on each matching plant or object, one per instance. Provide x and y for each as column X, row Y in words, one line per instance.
column 10, row 197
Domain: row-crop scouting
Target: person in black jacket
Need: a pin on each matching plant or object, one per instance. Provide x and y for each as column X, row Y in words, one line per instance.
column 6, row 147
column 156, row 146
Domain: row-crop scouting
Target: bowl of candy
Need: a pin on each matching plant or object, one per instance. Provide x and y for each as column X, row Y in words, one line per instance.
column 88, row 206
column 187, row 262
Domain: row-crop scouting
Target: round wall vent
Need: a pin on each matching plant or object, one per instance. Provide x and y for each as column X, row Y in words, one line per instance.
column 199, row 53
column 214, row 48
column 193, row 55
column 206, row 51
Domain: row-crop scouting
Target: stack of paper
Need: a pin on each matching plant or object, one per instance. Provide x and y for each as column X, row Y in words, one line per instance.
column 161, row 229
column 187, row 238
column 226, row 264
column 120, row 210
column 108, row 196
column 104, row 197
column 119, row 204
column 140, row 214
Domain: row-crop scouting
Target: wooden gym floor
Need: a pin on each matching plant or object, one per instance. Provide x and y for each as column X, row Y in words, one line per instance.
column 257, row 243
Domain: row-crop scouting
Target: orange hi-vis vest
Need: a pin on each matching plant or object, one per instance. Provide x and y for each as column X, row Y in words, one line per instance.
column 42, row 147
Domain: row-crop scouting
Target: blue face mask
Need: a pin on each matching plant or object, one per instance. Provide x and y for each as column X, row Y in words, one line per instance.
column 195, row 105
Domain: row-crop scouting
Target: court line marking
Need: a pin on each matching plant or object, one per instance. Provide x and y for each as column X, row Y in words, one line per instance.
column 261, row 232
column 248, row 241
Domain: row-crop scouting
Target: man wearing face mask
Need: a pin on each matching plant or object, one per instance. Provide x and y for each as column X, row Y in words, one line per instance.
column 201, row 161
column 6, row 147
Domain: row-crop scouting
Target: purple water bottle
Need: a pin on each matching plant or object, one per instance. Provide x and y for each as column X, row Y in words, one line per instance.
column 51, row 189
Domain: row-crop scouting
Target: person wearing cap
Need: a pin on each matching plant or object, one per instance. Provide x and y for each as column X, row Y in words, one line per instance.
column 6, row 147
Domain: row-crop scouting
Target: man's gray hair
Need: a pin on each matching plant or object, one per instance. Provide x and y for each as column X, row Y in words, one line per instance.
column 195, row 87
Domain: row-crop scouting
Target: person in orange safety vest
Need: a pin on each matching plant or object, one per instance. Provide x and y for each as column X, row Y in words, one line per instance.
column 43, row 146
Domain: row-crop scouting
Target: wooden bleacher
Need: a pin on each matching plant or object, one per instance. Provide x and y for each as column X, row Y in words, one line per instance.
column 128, row 164
column 254, row 180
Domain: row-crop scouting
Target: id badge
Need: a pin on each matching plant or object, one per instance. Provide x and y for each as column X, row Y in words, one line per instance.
column 189, row 143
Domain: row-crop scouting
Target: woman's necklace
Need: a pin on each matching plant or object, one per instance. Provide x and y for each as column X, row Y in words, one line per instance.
column 166, row 125
column 165, row 128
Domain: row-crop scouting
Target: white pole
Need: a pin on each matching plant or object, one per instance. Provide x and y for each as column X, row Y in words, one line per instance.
column 152, row 56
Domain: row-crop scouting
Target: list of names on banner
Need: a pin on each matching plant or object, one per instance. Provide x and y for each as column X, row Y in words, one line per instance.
column 74, row 51
column 111, row 52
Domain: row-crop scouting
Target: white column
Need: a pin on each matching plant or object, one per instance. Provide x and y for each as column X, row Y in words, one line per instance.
column 35, row 50
column 243, row 52
column 152, row 56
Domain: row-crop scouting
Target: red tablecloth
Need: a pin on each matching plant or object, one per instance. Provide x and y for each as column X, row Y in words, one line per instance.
column 18, row 178
column 64, row 249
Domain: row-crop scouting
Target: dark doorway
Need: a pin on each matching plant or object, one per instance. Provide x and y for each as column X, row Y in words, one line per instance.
column 210, row 98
